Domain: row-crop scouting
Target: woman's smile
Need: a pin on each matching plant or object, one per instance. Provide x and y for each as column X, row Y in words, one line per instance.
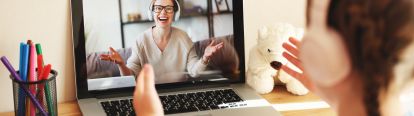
column 163, row 19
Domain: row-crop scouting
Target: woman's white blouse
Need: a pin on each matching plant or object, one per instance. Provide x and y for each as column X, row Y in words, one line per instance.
column 169, row 65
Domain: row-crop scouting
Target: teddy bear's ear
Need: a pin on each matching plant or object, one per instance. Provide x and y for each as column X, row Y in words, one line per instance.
column 263, row 32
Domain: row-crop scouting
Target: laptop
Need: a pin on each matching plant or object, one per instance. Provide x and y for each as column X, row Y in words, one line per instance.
column 218, row 90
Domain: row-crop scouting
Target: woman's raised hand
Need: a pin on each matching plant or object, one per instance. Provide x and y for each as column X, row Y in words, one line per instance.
column 211, row 49
column 112, row 57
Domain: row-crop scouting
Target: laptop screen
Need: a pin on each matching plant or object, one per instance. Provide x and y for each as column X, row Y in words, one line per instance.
column 186, row 41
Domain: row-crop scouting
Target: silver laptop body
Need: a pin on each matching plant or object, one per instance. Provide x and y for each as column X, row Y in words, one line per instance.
column 255, row 104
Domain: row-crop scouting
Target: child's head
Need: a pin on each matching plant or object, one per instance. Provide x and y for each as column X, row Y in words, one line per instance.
column 367, row 37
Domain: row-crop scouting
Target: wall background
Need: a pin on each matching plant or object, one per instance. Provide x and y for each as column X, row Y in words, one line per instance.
column 102, row 22
column 48, row 22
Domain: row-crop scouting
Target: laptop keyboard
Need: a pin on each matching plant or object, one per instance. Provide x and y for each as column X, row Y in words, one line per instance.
column 178, row 103
column 118, row 107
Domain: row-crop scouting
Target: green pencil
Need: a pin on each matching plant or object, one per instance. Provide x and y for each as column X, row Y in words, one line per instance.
column 47, row 89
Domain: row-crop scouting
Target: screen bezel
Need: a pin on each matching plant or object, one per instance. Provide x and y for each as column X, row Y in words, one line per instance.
column 79, row 54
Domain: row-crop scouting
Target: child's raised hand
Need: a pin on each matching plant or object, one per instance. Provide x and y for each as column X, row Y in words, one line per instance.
column 146, row 100
column 291, row 54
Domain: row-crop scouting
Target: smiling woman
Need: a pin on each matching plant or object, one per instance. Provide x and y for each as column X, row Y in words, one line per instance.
column 167, row 48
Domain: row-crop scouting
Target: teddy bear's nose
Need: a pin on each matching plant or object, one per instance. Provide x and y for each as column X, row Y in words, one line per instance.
column 276, row 65
column 269, row 50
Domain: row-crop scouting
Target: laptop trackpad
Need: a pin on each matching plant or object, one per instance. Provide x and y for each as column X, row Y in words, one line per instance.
column 251, row 111
column 204, row 114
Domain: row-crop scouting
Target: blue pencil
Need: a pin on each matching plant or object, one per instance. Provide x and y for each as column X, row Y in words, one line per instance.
column 24, row 54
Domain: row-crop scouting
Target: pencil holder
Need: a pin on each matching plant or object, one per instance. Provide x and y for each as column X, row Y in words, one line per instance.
column 44, row 92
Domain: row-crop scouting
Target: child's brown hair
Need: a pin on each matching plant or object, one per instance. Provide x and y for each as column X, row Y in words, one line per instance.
column 375, row 32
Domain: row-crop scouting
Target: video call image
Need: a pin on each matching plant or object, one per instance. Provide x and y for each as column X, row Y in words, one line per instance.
column 184, row 40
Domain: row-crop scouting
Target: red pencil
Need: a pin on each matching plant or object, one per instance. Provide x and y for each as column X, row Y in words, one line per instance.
column 46, row 72
column 39, row 71
column 39, row 65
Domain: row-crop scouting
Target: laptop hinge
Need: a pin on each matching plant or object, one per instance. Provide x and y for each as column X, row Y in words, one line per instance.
column 114, row 95
column 192, row 88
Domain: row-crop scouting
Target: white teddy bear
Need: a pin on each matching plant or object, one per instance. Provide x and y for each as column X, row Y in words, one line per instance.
column 260, row 75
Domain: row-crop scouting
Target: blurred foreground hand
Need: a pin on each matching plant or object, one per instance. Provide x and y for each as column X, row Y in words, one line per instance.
column 146, row 100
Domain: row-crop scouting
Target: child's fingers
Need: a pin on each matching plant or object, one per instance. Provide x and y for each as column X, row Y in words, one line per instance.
column 139, row 87
column 294, row 41
column 294, row 51
column 148, row 77
column 293, row 60
column 292, row 72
